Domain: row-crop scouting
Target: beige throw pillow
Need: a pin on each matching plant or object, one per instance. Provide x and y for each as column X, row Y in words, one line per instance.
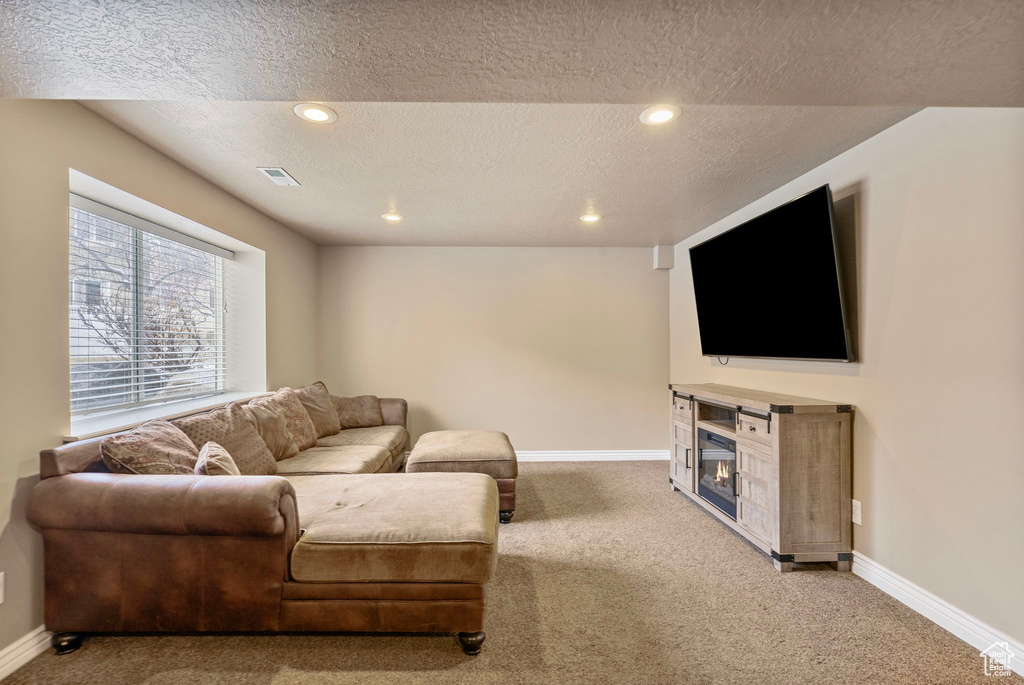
column 358, row 412
column 214, row 460
column 154, row 448
column 273, row 428
column 317, row 402
column 234, row 428
column 299, row 423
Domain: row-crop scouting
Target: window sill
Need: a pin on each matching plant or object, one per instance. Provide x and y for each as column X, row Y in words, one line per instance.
column 116, row 421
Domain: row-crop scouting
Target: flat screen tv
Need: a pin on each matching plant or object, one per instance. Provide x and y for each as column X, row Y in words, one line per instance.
column 771, row 287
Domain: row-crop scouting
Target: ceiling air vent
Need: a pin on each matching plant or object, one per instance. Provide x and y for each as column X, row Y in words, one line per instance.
column 278, row 175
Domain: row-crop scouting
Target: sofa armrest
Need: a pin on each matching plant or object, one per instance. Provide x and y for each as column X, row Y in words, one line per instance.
column 242, row 506
column 394, row 411
column 73, row 457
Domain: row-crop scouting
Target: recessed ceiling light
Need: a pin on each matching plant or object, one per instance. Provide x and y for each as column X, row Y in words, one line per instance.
column 590, row 218
column 316, row 113
column 659, row 114
column 391, row 217
column 278, row 175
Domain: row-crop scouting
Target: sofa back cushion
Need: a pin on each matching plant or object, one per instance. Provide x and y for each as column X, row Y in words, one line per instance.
column 154, row 448
column 358, row 412
column 273, row 428
column 234, row 428
column 214, row 460
column 295, row 415
column 317, row 402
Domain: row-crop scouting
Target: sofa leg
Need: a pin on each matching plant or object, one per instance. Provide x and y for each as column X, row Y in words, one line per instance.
column 506, row 516
column 65, row 643
column 471, row 642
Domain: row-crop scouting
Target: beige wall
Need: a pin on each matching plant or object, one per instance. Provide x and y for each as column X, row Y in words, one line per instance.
column 39, row 142
column 939, row 390
column 562, row 348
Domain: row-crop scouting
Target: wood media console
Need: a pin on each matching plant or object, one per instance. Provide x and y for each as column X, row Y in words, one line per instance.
column 774, row 468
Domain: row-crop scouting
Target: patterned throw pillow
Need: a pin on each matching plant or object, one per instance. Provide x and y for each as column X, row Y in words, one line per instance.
column 317, row 402
column 232, row 427
column 273, row 428
column 214, row 460
column 358, row 412
column 154, row 448
column 295, row 414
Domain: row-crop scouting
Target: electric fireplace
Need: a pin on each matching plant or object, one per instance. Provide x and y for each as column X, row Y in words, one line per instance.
column 716, row 471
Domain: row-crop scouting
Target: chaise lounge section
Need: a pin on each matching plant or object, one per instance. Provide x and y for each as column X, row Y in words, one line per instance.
column 334, row 541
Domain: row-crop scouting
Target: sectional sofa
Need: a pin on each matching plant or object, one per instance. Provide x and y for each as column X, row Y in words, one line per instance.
column 325, row 537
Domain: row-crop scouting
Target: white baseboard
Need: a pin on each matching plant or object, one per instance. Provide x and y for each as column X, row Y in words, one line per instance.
column 23, row 650
column 589, row 455
column 963, row 625
column 593, row 455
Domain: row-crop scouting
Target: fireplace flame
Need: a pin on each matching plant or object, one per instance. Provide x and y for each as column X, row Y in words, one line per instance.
column 723, row 473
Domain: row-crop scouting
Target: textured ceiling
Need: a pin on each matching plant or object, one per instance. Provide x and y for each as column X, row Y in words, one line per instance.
column 780, row 52
column 498, row 174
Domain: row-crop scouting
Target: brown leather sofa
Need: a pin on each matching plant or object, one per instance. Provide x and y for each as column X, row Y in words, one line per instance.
column 313, row 550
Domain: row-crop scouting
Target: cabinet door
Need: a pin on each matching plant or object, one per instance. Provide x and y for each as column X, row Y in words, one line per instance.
column 682, row 454
column 755, row 520
column 757, row 490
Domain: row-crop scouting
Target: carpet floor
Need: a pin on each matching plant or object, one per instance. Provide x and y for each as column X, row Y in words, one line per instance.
column 605, row 576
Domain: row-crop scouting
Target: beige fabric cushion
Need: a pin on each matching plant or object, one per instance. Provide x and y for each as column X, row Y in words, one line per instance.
column 156, row 447
column 214, row 460
column 393, row 527
column 392, row 438
column 358, row 412
column 232, row 427
column 487, row 452
column 318, row 404
column 316, row 494
column 299, row 423
column 351, row 459
column 273, row 428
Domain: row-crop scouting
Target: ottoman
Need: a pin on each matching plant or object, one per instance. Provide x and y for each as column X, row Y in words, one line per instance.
column 487, row 452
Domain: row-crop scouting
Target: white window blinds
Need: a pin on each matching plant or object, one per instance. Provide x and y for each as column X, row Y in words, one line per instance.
column 147, row 312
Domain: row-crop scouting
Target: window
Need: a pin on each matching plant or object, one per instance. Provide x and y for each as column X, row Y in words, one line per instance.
column 147, row 314
column 93, row 294
column 86, row 292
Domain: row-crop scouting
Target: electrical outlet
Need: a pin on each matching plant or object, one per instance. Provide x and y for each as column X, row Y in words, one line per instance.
column 856, row 512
